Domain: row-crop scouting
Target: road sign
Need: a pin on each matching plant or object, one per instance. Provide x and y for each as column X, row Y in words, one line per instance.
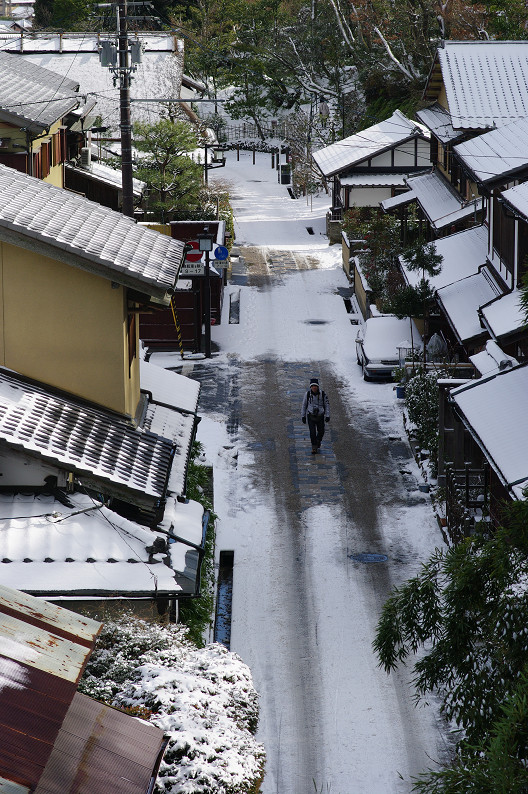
column 194, row 255
column 221, row 252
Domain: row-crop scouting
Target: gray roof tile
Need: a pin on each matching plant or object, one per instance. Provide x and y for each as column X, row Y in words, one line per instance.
column 82, row 438
column 106, row 240
column 33, row 94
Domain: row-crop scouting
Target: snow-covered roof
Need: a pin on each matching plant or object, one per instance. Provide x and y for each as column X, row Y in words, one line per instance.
column 462, row 300
column 56, row 551
column 504, row 316
column 374, row 180
column 496, row 154
column 517, row 197
column 169, row 388
column 494, row 410
column 367, row 143
column 492, row 359
column 462, row 254
column 100, row 172
column 33, row 97
column 437, row 119
column 159, row 75
column 398, row 201
column 486, row 82
column 82, row 438
column 87, row 235
column 439, row 201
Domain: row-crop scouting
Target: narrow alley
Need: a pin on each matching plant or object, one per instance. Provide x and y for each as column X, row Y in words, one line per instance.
column 318, row 541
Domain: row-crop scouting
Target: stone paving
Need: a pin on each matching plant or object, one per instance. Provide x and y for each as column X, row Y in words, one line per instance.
column 315, row 477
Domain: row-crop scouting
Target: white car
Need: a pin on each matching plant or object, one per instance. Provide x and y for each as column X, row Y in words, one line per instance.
column 378, row 344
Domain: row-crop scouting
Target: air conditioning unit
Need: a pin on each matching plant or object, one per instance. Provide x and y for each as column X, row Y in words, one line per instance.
column 86, row 157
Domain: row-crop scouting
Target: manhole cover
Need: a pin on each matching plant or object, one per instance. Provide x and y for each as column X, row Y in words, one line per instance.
column 368, row 557
column 316, row 322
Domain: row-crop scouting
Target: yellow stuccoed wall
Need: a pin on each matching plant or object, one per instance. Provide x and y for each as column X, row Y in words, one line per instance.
column 66, row 328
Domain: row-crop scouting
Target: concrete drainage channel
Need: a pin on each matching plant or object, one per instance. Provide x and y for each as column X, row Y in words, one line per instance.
column 224, row 599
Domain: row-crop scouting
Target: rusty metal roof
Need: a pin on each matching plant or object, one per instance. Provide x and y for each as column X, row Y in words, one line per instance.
column 41, row 662
column 61, row 622
column 101, row 749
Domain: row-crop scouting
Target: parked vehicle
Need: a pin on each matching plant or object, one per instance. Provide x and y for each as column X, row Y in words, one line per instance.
column 379, row 343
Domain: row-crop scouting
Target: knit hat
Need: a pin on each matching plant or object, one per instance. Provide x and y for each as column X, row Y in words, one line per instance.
column 314, row 381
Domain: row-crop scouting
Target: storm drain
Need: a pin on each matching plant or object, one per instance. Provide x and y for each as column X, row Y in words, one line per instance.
column 316, row 322
column 310, row 230
column 368, row 557
column 224, row 599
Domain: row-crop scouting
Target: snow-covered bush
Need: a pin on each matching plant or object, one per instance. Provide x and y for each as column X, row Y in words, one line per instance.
column 202, row 698
column 421, row 402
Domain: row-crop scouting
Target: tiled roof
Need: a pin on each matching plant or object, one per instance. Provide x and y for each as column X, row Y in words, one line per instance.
column 35, row 96
column 158, row 75
column 82, row 438
column 437, row 119
column 440, row 202
column 91, row 236
column 87, row 549
column 496, row 154
column 366, row 144
column 178, row 428
column 486, row 82
column 494, row 409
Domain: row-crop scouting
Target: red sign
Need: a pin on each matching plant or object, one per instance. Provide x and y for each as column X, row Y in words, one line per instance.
column 195, row 255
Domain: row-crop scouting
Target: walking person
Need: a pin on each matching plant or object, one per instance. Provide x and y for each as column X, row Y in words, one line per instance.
column 315, row 409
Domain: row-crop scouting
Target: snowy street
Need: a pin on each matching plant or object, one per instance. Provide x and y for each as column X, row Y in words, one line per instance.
column 305, row 604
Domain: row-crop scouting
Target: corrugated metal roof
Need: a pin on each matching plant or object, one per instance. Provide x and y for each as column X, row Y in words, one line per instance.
column 42, row 614
column 89, row 235
column 51, row 550
column 39, row 672
column 437, row 119
column 486, row 82
column 82, row 438
column 496, row 154
column 35, row 96
column 364, row 145
column 494, row 409
column 99, row 750
column 439, row 201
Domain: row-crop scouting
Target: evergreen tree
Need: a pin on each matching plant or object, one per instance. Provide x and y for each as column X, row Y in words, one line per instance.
column 467, row 611
column 174, row 180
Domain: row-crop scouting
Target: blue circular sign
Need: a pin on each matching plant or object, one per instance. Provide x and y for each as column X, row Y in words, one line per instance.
column 221, row 252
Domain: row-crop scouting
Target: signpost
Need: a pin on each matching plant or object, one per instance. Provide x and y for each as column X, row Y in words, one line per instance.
column 193, row 265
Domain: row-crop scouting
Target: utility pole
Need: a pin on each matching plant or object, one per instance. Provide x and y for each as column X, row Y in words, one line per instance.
column 124, row 104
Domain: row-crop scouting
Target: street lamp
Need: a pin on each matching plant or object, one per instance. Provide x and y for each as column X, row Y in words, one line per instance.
column 205, row 242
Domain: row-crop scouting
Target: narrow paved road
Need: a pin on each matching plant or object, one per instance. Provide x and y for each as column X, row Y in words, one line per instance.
column 304, row 608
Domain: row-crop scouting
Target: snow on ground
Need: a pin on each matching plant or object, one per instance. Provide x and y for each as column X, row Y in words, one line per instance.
column 362, row 743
